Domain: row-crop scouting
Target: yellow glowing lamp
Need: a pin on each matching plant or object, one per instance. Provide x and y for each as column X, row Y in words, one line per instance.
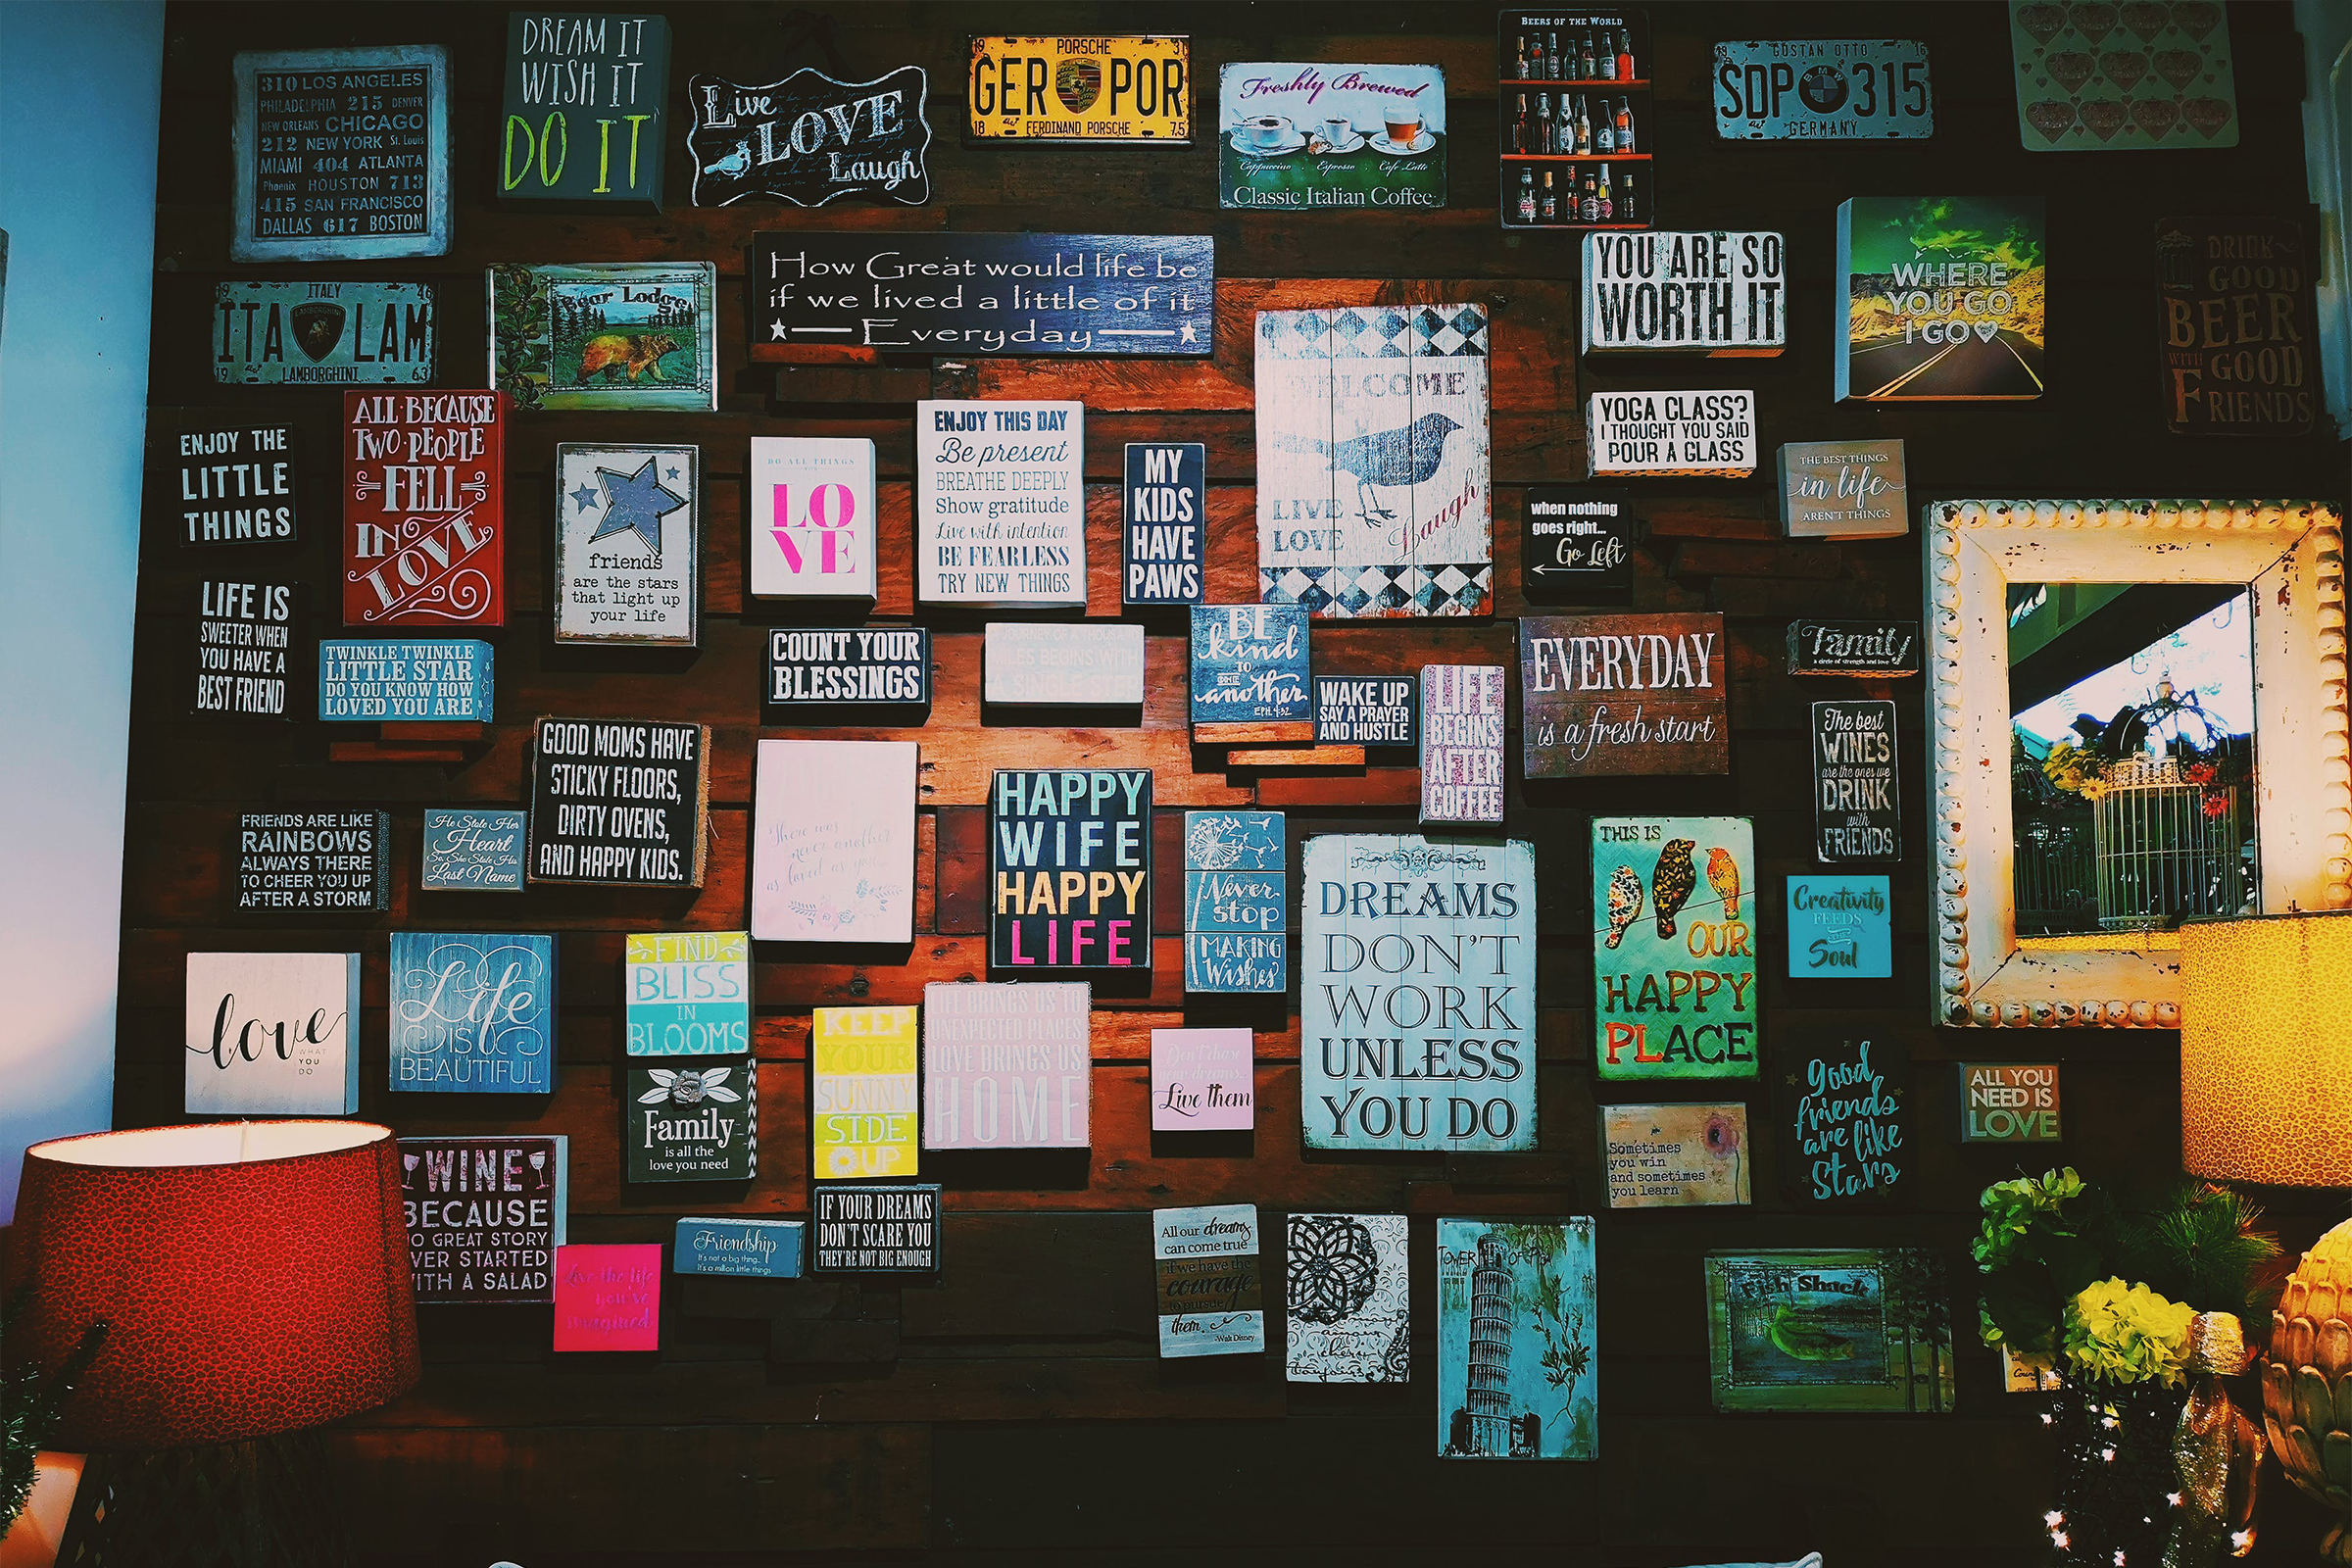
column 2266, row 1049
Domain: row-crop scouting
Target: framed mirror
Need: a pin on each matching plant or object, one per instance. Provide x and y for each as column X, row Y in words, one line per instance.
column 2137, row 717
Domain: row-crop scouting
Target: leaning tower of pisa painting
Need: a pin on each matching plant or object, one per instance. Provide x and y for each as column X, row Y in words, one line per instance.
column 1515, row 1339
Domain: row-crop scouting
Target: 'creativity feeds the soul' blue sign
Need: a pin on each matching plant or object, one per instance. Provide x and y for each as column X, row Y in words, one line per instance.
column 1838, row 928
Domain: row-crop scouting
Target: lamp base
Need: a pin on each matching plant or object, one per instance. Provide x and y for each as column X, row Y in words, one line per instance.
column 271, row 1502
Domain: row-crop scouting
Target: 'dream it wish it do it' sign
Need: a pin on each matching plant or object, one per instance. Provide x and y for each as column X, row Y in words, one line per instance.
column 1674, row 966
column 485, row 1216
column 467, row 850
column 868, row 1228
column 1721, row 295
column 2009, row 1103
column 1237, row 929
column 1461, row 742
column 687, row 993
column 314, row 334
column 1694, row 434
column 584, row 108
column 311, row 863
column 236, row 486
column 243, row 660
column 812, row 517
column 1621, row 694
column 1070, row 868
column 833, row 841
column 439, row 680
column 1165, row 555
column 1006, row 1067
column 340, row 154
column 861, row 1094
column 1210, row 1296
column 1838, row 928
column 472, row 1014
column 1417, row 993
column 619, row 801
column 1000, row 503
column 424, row 530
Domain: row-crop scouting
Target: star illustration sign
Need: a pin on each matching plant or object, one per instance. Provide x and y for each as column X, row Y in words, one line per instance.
column 633, row 502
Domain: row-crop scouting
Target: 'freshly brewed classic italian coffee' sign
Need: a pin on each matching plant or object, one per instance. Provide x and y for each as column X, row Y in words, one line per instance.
column 1621, row 694
column 236, row 486
column 1854, row 647
column 315, row 334
column 1576, row 545
column 1674, row 963
column 1070, row 863
column 1296, row 137
column 314, row 863
column 810, row 139
column 424, row 529
column 1856, row 816
column 1695, row 434
column 2238, row 326
column 1116, row 89
column 340, row 154
column 619, row 800
column 1715, row 294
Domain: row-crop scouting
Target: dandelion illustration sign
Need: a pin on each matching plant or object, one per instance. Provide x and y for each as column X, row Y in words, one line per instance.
column 1237, row 925
column 637, row 335
column 1674, row 968
column 1525, row 1383
column 1675, row 1157
column 1865, row 1330
column 1350, row 1298
column 1301, row 136
column 1374, row 493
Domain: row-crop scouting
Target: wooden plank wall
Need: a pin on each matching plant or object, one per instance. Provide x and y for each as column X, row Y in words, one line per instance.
column 1016, row 1411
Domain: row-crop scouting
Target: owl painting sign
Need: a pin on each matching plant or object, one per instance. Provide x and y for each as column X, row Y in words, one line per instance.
column 1373, row 494
column 1674, row 957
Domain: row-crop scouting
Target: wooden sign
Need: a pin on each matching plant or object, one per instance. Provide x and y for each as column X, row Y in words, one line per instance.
column 619, row 801
column 813, row 519
column 1165, row 558
column 467, row 850
column 1845, row 1121
column 1675, row 1157
column 865, row 1227
column 1118, row 89
column 1070, row 868
column 1854, row 647
column 434, row 680
column 2009, row 1103
column 1202, row 1080
column 697, row 1123
column 424, row 523
column 1367, row 710
column 810, row 139
column 999, row 503
column 2239, row 322
column 1823, row 89
column 1417, row 993
column 609, row 1297
column 979, row 1092
column 637, row 335
column 687, row 993
column 1210, row 1298
column 1297, row 136
column 1623, row 694
column 239, row 667
column 1461, row 742
column 585, row 115
column 1863, row 1330
column 1674, row 965
column 1518, row 1329
column 1966, row 326
column 964, row 294
column 315, row 334
column 1857, row 813
column 313, row 862
column 861, row 1094
column 272, row 1034
column 1250, row 673
column 1721, row 295
column 1070, row 664
column 237, row 486
column 2083, row 86
column 1694, row 434
column 1576, row 545
column 472, row 1014
column 628, row 546
column 833, row 841
column 485, row 1216
column 755, row 1249
column 1372, row 429
column 1350, row 1293
column 818, row 676
column 1236, row 904
column 1838, row 928
column 1844, row 490
column 339, row 155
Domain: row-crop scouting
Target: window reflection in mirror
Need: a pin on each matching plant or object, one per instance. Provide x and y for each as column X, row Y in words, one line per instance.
column 2131, row 756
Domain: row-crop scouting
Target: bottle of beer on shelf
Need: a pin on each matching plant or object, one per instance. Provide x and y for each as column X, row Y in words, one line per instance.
column 1519, row 127
column 1583, row 56
column 1606, row 203
column 1552, row 202
column 1604, row 134
column 1526, row 195
column 1584, row 125
column 1628, row 205
column 1541, row 139
column 1567, row 129
column 1625, row 124
column 1625, row 54
column 1592, row 201
column 1552, row 67
column 1519, row 62
column 1608, row 58
column 1534, row 71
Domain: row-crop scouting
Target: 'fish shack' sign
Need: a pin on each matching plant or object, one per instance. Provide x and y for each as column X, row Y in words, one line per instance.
column 1715, row 294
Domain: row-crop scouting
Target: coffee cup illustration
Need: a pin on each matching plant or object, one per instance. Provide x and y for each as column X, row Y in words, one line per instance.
column 1267, row 131
column 1337, row 130
column 1403, row 124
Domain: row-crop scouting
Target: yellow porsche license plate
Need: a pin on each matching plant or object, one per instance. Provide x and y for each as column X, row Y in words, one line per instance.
column 1080, row 90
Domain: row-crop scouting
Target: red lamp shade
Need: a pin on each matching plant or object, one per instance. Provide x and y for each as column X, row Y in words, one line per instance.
column 254, row 1275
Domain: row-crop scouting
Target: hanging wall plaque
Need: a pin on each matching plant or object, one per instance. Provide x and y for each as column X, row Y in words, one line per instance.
column 696, row 1122
column 1028, row 664
column 1724, row 296
column 1203, row 1081
column 1164, row 558
column 1838, row 928
column 637, row 335
column 236, row 486
column 2009, row 1103
column 485, row 1216
column 313, row 862
column 961, row 294
column 865, row 1227
column 241, row 665
column 1860, row 1331
column 1297, row 136
column 1006, row 1067
column 467, row 850
column 424, row 523
column 1845, row 1121
column 1854, row 647
column 472, row 1014
column 1692, row 434
column 1623, row 694
column 339, row 155
column 607, row 1298
column 1417, row 993
column 2086, row 85
column 619, row 801
column 1945, row 299
column 628, row 530
column 1367, row 710
column 319, row 333
column 759, row 1248
column 861, row 1094
column 833, row 841
column 818, row 676
column 1674, row 965
column 1237, row 926
column 1116, row 89
column 1461, row 742
column 813, row 521
column 272, row 1034
column 1857, row 814
column 1349, row 1294
column 1576, row 125
column 1518, row 1330
column 1069, row 863
column 1675, row 1157
column 687, row 993
column 1372, row 428
column 437, row 680
column 999, row 503
column 1576, row 545
column 585, row 109
column 2239, row 326
column 1250, row 674
column 1823, row 89
column 1844, row 490
column 1211, row 1301
column 809, row 139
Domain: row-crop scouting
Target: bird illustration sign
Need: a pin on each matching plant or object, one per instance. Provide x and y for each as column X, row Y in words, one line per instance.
column 1674, row 957
column 1373, row 485
column 627, row 543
